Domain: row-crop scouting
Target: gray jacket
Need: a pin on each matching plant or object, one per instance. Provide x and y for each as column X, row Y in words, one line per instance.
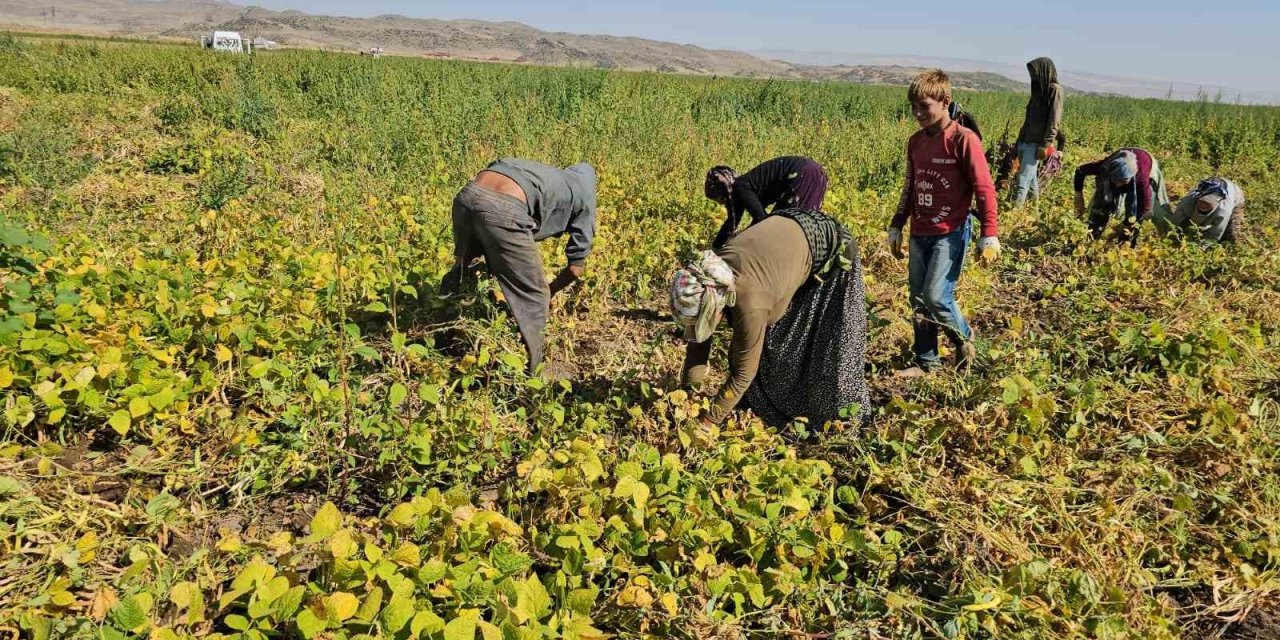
column 1211, row 225
column 560, row 201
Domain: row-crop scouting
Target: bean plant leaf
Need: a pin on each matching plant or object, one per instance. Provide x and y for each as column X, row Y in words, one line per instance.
column 326, row 521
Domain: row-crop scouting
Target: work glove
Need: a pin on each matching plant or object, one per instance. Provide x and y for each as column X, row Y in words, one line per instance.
column 895, row 242
column 1045, row 152
column 989, row 249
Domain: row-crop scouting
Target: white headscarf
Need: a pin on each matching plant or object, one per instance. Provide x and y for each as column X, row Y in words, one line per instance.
column 699, row 292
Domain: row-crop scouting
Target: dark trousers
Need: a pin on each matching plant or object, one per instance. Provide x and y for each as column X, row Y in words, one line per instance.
column 500, row 228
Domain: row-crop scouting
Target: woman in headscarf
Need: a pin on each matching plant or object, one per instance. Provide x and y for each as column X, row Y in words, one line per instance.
column 1128, row 178
column 784, row 183
column 793, row 287
column 1212, row 212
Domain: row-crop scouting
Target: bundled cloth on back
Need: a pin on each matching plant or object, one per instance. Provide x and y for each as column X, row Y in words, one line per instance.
column 814, row 360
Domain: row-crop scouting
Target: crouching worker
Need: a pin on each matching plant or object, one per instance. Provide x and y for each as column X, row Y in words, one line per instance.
column 783, row 183
column 1213, row 212
column 793, row 288
column 1129, row 178
column 507, row 208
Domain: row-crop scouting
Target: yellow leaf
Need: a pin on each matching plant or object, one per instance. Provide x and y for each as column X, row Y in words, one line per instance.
column 182, row 593
column 6, row 377
column 402, row 515
column 342, row 545
column 223, row 354
column 342, row 605
column 120, row 422
column 230, row 543
column 990, row 599
column 488, row 631
column 139, row 407
column 407, row 555
column 325, row 523
column 671, row 603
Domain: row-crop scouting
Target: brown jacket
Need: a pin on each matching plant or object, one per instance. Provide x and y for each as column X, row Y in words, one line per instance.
column 770, row 261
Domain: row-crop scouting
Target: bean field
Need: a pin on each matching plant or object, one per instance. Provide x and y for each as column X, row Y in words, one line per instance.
column 234, row 406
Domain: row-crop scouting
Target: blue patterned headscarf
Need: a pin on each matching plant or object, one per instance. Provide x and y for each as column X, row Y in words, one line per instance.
column 1122, row 166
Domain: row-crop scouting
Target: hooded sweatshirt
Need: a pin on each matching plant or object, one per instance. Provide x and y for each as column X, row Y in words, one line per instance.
column 1044, row 109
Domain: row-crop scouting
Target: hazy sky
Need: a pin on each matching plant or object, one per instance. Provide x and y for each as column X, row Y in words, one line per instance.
column 1233, row 43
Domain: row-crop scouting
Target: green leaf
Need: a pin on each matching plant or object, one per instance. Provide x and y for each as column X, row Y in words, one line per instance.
column 796, row 501
column 462, row 627
column 326, row 521
column 260, row 369
column 309, row 624
column 582, row 601
column 429, row 393
column 425, row 622
column 397, row 394
column 432, row 571
column 397, row 614
column 371, row 604
column 128, row 614
column 237, row 622
column 120, row 421
column 9, row 486
column 532, row 600
column 288, row 603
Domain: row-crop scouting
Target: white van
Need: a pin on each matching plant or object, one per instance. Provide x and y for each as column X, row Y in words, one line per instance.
column 230, row 41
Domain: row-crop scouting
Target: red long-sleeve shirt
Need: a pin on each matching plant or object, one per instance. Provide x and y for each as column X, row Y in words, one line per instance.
column 945, row 172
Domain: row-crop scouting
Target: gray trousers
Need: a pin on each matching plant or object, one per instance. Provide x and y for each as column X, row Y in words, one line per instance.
column 500, row 228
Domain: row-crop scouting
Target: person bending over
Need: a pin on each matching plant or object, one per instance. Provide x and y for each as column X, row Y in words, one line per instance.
column 786, row 182
column 501, row 215
column 1128, row 179
column 1212, row 212
column 793, row 287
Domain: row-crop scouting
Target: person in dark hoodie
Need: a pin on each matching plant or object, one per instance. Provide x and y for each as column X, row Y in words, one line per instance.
column 1039, row 127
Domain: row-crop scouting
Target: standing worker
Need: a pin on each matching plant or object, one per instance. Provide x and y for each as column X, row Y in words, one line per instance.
column 502, row 213
column 946, row 173
column 786, row 182
column 1129, row 177
column 1039, row 127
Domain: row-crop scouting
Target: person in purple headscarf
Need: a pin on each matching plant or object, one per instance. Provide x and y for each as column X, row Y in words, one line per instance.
column 789, row 182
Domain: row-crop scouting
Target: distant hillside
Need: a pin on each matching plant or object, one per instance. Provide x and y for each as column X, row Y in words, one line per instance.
column 902, row 75
column 462, row 39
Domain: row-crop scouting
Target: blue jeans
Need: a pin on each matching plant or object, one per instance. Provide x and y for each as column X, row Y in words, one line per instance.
column 934, row 268
column 1028, row 163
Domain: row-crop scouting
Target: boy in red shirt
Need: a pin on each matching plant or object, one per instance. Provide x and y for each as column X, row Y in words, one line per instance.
column 946, row 170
